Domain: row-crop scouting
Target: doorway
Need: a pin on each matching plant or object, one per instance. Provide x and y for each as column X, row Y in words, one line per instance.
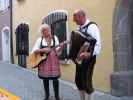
column 6, row 57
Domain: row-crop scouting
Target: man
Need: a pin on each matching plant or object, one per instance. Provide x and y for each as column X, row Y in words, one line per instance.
column 84, row 72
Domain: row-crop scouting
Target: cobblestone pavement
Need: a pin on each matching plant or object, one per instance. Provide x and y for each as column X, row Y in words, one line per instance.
column 26, row 84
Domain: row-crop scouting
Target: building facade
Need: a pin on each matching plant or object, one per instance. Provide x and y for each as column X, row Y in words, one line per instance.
column 113, row 71
column 34, row 13
column 5, row 30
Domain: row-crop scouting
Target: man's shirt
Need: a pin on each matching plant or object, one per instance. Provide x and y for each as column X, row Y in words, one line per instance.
column 93, row 30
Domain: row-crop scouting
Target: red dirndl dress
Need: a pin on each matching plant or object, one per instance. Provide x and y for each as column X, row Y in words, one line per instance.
column 50, row 67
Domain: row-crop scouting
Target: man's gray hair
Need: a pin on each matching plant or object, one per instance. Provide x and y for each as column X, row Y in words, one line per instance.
column 80, row 12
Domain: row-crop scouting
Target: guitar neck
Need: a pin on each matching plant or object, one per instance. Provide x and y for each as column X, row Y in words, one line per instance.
column 64, row 42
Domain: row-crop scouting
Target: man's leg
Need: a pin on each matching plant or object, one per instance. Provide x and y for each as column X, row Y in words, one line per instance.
column 89, row 97
column 90, row 70
column 82, row 94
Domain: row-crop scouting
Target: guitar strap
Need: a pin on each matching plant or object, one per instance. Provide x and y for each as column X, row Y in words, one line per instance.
column 86, row 27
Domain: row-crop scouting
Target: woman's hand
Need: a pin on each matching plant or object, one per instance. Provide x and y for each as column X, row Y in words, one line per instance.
column 43, row 50
column 37, row 51
column 46, row 50
column 62, row 45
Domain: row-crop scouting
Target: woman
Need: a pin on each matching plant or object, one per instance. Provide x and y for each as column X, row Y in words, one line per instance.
column 48, row 69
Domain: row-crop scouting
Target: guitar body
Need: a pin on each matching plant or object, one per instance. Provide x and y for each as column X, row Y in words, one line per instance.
column 35, row 59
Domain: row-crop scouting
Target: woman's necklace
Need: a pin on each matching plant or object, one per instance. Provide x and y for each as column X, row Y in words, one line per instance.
column 48, row 40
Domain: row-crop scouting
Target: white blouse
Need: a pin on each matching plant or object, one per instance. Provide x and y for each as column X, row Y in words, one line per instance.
column 44, row 43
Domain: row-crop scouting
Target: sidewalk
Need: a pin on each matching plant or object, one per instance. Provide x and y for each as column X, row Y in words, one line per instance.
column 26, row 84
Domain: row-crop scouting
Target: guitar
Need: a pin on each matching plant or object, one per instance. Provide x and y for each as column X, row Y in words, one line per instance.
column 35, row 59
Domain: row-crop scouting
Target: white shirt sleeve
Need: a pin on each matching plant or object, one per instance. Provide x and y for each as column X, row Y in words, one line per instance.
column 56, row 40
column 93, row 30
column 37, row 45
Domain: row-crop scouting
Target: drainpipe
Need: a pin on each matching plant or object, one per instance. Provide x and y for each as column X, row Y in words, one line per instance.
column 11, row 28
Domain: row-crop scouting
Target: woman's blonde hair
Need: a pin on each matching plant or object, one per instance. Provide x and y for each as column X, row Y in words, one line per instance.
column 44, row 26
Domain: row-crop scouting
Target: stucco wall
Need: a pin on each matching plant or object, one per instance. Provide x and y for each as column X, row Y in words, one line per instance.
column 100, row 11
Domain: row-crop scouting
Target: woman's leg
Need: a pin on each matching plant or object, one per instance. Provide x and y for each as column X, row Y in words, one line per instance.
column 46, row 88
column 56, row 88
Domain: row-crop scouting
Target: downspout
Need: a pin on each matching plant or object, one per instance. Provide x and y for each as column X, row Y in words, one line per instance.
column 11, row 28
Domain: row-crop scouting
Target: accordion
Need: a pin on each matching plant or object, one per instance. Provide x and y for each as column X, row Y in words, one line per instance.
column 80, row 42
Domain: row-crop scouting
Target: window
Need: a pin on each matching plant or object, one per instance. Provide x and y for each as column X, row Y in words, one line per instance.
column 58, row 22
column 4, row 4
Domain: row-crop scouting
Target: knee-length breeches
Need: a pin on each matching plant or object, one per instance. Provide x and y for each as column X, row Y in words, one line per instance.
column 84, row 73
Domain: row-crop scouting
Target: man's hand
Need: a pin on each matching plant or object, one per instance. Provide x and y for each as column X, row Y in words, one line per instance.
column 84, row 55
